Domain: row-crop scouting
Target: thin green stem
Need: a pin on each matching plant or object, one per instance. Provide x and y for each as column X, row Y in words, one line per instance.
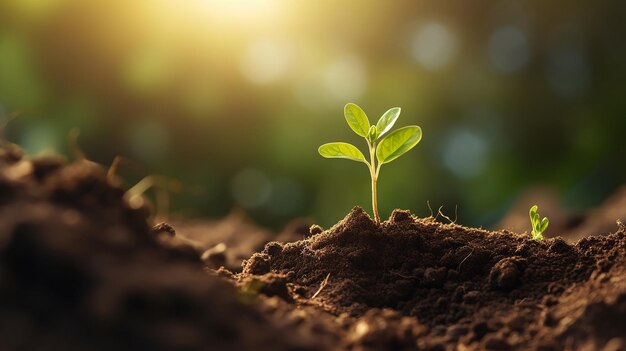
column 374, row 174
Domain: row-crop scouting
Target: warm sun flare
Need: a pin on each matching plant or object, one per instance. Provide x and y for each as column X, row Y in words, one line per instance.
column 232, row 12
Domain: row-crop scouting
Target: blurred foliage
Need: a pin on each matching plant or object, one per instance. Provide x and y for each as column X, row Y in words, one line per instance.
column 232, row 97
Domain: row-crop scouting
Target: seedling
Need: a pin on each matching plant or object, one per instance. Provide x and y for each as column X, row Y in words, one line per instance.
column 386, row 147
column 539, row 226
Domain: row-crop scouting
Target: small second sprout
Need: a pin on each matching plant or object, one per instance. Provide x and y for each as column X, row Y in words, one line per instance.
column 539, row 226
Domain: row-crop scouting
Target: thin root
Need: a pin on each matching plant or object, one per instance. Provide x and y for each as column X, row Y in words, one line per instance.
column 456, row 214
column 162, row 186
column 430, row 208
column 401, row 275
column 322, row 286
column 438, row 212
column 458, row 269
column 114, row 167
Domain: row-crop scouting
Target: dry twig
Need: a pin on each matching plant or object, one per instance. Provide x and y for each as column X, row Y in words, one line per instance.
column 322, row 286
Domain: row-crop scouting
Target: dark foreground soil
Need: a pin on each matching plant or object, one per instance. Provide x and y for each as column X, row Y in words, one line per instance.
column 82, row 270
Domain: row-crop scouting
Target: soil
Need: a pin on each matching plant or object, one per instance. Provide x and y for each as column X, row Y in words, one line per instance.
column 462, row 288
column 80, row 269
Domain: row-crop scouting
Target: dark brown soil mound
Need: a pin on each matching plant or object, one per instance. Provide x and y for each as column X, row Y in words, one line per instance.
column 81, row 270
column 469, row 287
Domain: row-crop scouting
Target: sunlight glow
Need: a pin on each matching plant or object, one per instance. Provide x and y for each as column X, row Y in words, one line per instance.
column 266, row 61
column 248, row 13
column 346, row 79
column 434, row 46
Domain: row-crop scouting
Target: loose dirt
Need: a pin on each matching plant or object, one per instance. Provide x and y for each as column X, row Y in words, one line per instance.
column 81, row 269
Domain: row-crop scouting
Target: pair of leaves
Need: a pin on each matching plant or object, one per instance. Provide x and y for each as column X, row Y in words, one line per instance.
column 390, row 147
column 360, row 124
column 539, row 226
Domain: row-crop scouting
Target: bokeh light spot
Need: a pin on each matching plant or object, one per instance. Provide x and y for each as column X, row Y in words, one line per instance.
column 346, row 78
column 146, row 70
column 287, row 197
column 251, row 188
column 434, row 46
column 199, row 99
column 508, row 49
column 266, row 61
column 567, row 70
column 309, row 93
column 465, row 153
column 40, row 139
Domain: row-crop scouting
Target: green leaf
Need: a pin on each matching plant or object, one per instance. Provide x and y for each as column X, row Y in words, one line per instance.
column 534, row 216
column 544, row 224
column 357, row 120
column 397, row 143
column 533, row 211
column 387, row 121
column 341, row 150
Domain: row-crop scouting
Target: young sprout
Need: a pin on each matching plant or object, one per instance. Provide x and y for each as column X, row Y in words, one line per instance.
column 386, row 148
column 539, row 226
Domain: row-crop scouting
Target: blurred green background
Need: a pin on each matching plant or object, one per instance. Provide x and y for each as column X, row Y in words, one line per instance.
column 233, row 97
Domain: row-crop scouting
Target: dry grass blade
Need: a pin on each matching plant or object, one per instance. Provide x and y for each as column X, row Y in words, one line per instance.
column 322, row 286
